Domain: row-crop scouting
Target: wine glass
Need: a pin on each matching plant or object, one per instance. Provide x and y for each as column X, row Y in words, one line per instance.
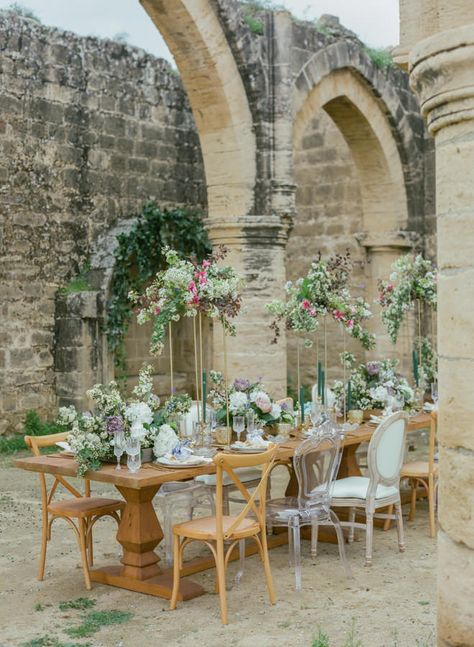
column 434, row 392
column 134, row 459
column 238, row 425
column 119, row 447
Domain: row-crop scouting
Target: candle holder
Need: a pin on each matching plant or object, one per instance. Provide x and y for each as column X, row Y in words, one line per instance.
column 355, row 416
column 223, row 435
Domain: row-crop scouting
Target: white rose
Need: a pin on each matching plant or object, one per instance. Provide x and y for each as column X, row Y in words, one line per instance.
column 276, row 411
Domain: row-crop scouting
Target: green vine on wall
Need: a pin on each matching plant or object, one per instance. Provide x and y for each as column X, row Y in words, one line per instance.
column 138, row 257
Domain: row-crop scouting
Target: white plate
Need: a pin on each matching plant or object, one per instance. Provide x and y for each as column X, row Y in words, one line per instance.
column 248, row 450
column 176, row 464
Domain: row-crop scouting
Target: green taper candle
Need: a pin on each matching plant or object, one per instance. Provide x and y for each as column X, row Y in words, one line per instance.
column 415, row 367
column 349, row 395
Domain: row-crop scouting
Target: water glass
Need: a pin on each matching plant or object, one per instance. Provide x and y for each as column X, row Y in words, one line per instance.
column 434, row 392
column 250, row 419
column 134, row 459
column 238, row 425
column 119, row 447
column 316, row 414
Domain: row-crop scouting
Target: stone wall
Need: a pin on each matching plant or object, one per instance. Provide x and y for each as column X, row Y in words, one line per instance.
column 89, row 130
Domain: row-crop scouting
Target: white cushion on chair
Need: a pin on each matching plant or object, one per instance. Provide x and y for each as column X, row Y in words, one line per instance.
column 355, row 487
column 245, row 474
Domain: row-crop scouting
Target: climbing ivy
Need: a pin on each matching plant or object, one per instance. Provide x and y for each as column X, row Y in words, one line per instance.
column 138, row 257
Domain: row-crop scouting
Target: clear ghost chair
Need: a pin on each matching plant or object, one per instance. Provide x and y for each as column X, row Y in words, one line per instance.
column 316, row 463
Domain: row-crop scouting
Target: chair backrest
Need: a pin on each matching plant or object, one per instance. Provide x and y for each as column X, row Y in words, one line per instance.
column 227, row 463
column 316, row 462
column 386, row 451
column 35, row 443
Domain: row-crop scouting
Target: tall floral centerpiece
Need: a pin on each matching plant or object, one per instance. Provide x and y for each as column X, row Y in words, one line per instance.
column 189, row 289
column 411, row 287
column 323, row 293
column 91, row 433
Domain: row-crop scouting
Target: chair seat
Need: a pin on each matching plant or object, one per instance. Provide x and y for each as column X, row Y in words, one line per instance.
column 287, row 507
column 85, row 506
column 245, row 474
column 355, row 487
column 205, row 528
column 418, row 469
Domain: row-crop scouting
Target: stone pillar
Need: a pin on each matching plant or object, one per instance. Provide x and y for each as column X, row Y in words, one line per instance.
column 442, row 74
column 256, row 246
column 382, row 250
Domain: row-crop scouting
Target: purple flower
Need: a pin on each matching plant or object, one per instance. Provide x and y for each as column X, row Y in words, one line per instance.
column 115, row 424
column 241, row 384
column 87, row 414
column 284, row 406
column 373, row 368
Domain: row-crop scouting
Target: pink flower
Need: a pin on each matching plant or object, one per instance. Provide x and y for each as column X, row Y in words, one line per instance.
column 192, row 287
column 206, row 263
column 195, row 299
column 312, row 312
column 264, row 404
column 157, row 310
column 305, row 304
column 350, row 323
column 338, row 315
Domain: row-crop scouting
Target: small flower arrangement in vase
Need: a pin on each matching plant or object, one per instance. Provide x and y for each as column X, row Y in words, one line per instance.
column 91, row 434
column 374, row 387
column 247, row 395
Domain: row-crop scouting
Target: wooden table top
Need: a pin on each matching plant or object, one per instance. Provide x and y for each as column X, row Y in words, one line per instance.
column 151, row 474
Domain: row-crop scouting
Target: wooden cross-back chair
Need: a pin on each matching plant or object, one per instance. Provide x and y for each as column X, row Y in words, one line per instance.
column 216, row 530
column 82, row 508
column 424, row 474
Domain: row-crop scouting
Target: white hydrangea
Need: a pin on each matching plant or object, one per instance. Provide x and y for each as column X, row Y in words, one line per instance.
column 139, row 412
column 165, row 441
column 379, row 394
column 276, row 411
column 237, row 401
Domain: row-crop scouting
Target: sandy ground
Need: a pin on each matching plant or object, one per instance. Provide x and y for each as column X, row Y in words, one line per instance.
column 391, row 604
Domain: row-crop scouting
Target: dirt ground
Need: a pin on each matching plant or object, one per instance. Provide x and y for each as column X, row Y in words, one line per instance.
column 391, row 604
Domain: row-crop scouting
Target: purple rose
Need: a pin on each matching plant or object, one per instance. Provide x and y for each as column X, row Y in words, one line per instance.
column 115, row 424
column 373, row 368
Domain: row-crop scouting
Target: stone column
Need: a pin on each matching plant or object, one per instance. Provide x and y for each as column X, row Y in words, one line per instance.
column 382, row 250
column 442, row 74
column 256, row 246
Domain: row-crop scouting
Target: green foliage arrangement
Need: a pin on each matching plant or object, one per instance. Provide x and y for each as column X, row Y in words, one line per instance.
column 138, row 257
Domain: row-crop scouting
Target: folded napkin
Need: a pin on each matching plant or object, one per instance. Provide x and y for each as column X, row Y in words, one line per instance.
column 254, row 443
column 64, row 445
column 186, row 460
column 430, row 406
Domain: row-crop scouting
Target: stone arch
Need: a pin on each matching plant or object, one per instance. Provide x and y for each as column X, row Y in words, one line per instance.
column 211, row 77
column 378, row 127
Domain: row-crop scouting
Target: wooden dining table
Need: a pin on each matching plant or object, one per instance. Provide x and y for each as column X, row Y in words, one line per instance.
column 140, row 532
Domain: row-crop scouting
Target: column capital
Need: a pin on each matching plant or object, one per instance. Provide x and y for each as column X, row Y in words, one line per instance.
column 271, row 230
column 387, row 241
column 441, row 75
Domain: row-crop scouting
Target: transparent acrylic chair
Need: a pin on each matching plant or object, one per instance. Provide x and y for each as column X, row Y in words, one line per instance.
column 184, row 496
column 316, row 462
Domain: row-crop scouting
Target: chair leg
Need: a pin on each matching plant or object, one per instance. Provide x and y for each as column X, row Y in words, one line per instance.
column 314, row 538
column 267, row 569
column 83, row 549
column 220, row 567
column 411, row 516
column 401, row 538
column 240, row 572
column 352, row 516
column 340, row 542
column 90, row 545
column 431, row 503
column 369, row 532
column 44, row 545
column 388, row 522
column 175, row 592
column 295, row 530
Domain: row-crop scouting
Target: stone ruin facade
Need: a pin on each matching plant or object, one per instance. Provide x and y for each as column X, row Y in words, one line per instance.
column 292, row 141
